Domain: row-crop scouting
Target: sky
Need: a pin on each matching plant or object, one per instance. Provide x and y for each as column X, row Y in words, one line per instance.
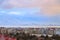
column 29, row 12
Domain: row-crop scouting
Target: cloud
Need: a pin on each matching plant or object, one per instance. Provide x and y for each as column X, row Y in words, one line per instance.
column 20, row 11
column 48, row 7
column 15, row 13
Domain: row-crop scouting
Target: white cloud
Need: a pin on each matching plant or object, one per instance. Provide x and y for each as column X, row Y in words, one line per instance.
column 24, row 12
column 21, row 12
column 15, row 13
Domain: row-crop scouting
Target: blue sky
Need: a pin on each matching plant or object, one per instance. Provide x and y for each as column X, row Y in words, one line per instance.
column 26, row 16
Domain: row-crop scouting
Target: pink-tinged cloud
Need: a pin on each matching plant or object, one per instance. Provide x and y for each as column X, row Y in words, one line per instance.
column 48, row 7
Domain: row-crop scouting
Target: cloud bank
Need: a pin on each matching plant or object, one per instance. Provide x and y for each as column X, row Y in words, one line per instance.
column 48, row 7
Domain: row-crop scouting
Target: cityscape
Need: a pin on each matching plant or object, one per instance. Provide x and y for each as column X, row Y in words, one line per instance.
column 29, row 19
column 41, row 31
column 25, row 33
